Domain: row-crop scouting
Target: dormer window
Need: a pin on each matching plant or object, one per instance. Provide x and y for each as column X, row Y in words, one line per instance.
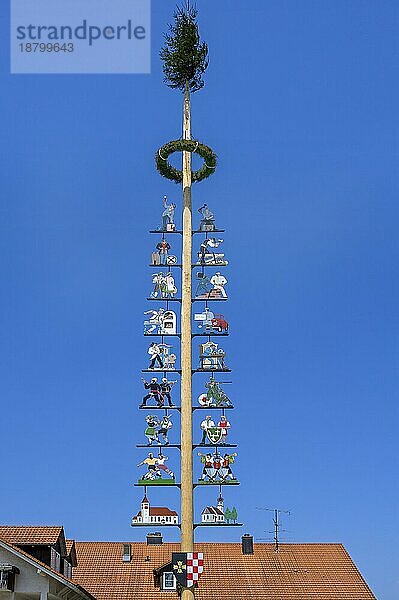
column 67, row 569
column 127, row 553
column 55, row 560
column 168, row 581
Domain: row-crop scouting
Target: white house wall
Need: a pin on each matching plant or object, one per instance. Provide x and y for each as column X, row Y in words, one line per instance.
column 28, row 581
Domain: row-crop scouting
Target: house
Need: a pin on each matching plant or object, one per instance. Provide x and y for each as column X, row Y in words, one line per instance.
column 214, row 514
column 155, row 515
column 47, row 544
column 143, row 570
column 296, row 571
column 32, row 565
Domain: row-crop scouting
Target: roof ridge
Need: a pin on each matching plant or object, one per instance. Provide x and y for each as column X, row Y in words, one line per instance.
column 213, row 543
column 30, row 526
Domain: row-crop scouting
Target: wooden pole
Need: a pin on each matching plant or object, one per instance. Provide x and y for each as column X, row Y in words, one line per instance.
column 187, row 505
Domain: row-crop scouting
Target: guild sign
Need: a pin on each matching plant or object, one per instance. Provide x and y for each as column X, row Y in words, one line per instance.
column 187, row 567
column 195, row 567
column 214, row 434
column 179, row 566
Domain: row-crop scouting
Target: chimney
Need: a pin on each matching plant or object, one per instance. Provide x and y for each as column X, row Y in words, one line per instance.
column 247, row 544
column 154, row 539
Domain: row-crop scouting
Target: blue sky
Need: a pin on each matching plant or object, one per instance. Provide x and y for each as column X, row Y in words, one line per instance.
column 301, row 105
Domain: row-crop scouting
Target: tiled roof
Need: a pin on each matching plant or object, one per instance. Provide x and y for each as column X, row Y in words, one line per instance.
column 296, row 572
column 160, row 511
column 30, row 535
column 214, row 510
column 71, row 551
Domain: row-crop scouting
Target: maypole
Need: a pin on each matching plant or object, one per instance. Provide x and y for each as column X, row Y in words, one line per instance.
column 187, row 508
column 185, row 60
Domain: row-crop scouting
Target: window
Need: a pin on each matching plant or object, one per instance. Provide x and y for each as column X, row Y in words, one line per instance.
column 55, row 560
column 126, row 553
column 168, row 581
column 7, row 577
column 3, row 580
column 67, row 569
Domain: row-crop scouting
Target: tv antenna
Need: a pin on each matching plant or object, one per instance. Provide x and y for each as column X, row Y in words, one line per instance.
column 277, row 529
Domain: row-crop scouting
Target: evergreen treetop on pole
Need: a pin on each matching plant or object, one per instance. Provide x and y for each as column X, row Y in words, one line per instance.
column 184, row 56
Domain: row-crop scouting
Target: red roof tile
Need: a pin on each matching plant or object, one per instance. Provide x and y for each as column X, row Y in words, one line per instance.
column 71, row 552
column 30, row 535
column 160, row 511
column 296, row 572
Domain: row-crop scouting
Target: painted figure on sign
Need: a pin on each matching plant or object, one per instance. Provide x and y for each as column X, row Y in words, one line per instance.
column 215, row 434
column 158, row 281
column 217, row 463
column 206, row 318
column 207, row 254
column 163, row 248
column 217, row 468
column 169, row 286
column 161, row 459
column 155, row 260
column 210, row 288
column 154, row 392
column 166, row 388
column 162, row 357
column 211, row 322
column 154, row 322
column 168, row 358
column 225, row 468
column 160, row 322
column 161, row 256
column 219, row 281
column 168, row 216
column 155, row 352
column 151, row 462
column 204, row 286
column 151, row 429
column 208, row 471
column 164, row 427
column 208, row 219
column 206, row 424
column 214, row 396
column 212, row 357
column 164, row 286
column 155, row 468
column 224, row 425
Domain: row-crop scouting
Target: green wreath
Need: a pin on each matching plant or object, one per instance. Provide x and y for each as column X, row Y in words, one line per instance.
column 170, row 172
